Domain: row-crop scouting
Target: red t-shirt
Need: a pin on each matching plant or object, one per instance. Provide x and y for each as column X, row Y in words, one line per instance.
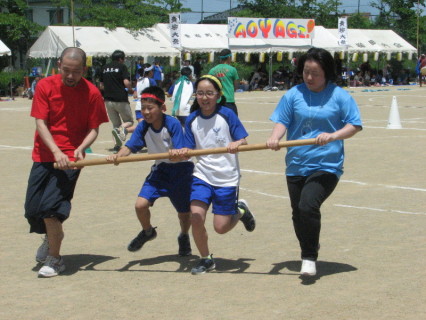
column 70, row 113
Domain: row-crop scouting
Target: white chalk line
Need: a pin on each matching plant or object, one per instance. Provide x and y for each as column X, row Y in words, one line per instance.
column 285, row 197
column 338, row 205
column 248, row 171
column 379, row 210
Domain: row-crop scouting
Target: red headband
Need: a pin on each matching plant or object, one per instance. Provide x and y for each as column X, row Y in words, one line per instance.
column 150, row 95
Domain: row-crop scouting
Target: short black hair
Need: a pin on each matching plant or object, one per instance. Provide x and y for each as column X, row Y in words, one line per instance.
column 186, row 71
column 156, row 91
column 325, row 60
column 117, row 55
column 224, row 53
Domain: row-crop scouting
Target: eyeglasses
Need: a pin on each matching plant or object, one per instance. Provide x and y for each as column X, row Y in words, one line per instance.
column 208, row 94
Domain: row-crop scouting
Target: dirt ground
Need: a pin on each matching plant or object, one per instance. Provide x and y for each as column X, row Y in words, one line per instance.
column 372, row 258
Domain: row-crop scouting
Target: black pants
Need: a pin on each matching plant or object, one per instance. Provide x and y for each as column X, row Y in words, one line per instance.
column 307, row 195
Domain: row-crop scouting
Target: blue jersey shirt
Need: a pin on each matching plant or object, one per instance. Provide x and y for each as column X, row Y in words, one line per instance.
column 306, row 114
column 169, row 136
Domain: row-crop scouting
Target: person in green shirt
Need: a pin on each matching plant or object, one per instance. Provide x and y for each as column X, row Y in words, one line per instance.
column 228, row 76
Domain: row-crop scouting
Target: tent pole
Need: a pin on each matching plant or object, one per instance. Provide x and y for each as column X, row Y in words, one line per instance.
column 72, row 22
column 348, row 74
column 270, row 68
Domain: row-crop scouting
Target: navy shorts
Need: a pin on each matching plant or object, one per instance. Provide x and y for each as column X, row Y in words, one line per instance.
column 223, row 199
column 49, row 194
column 172, row 180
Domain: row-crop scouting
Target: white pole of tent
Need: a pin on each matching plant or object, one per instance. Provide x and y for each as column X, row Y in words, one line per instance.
column 48, row 67
column 270, row 68
column 72, row 22
column 348, row 69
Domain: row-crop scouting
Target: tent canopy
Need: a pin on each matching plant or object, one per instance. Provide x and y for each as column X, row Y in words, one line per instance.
column 198, row 37
column 4, row 50
column 101, row 42
column 156, row 41
column 367, row 40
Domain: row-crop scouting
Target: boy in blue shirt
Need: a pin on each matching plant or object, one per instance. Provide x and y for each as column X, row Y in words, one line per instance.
column 159, row 133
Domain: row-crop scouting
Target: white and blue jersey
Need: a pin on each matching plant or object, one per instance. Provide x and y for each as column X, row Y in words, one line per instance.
column 169, row 136
column 306, row 114
column 215, row 131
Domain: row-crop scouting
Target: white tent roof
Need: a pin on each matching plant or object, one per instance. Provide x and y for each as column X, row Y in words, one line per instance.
column 156, row 41
column 199, row 37
column 99, row 41
column 367, row 40
column 4, row 50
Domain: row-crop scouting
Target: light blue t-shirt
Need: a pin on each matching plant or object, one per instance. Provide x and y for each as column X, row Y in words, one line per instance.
column 306, row 114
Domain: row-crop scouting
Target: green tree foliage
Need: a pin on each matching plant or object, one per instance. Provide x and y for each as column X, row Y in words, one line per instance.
column 15, row 29
column 359, row 21
column 323, row 11
column 131, row 14
column 401, row 16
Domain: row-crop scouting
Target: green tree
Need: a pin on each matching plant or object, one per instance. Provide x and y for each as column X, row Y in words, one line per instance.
column 15, row 29
column 131, row 14
column 325, row 12
column 359, row 21
column 401, row 16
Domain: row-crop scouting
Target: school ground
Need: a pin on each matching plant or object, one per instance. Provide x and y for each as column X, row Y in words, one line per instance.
column 372, row 259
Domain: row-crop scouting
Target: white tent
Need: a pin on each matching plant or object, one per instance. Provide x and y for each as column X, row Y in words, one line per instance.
column 99, row 41
column 4, row 50
column 382, row 41
column 199, row 37
column 156, row 41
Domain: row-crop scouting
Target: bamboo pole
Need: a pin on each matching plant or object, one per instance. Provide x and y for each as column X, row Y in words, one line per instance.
column 191, row 153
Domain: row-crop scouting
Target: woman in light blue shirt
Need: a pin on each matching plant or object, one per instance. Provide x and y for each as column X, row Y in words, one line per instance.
column 316, row 109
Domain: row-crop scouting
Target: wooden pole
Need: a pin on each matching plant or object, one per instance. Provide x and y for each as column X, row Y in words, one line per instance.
column 191, row 153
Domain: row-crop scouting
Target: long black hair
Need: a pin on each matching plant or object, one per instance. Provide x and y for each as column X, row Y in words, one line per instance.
column 325, row 60
column 195, row 106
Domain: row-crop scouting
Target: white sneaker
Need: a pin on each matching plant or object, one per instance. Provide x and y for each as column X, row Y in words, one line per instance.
column 308, row 268
column 52, row 267
column 42, row 251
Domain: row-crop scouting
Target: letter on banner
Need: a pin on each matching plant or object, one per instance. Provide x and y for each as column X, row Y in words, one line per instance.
column 174, row 23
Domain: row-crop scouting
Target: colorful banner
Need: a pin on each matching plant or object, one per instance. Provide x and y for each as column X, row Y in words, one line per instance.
column 270, row 28
column 174, row 21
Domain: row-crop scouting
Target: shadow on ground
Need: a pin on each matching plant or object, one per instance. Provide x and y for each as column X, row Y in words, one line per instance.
column 324, row 268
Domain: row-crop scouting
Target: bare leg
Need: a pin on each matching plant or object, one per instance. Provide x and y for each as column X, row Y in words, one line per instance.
column 55, row 235
column 143, row 213
column 199, row 232
column 223, row 224
column 185, row 221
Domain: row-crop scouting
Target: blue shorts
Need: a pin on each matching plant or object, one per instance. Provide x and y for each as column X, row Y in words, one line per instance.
column 138, row 114
column 171, row 180
column 223, row 199
column 49, row 194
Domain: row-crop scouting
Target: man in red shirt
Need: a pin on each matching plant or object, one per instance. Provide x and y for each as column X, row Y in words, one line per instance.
column 68, row 110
